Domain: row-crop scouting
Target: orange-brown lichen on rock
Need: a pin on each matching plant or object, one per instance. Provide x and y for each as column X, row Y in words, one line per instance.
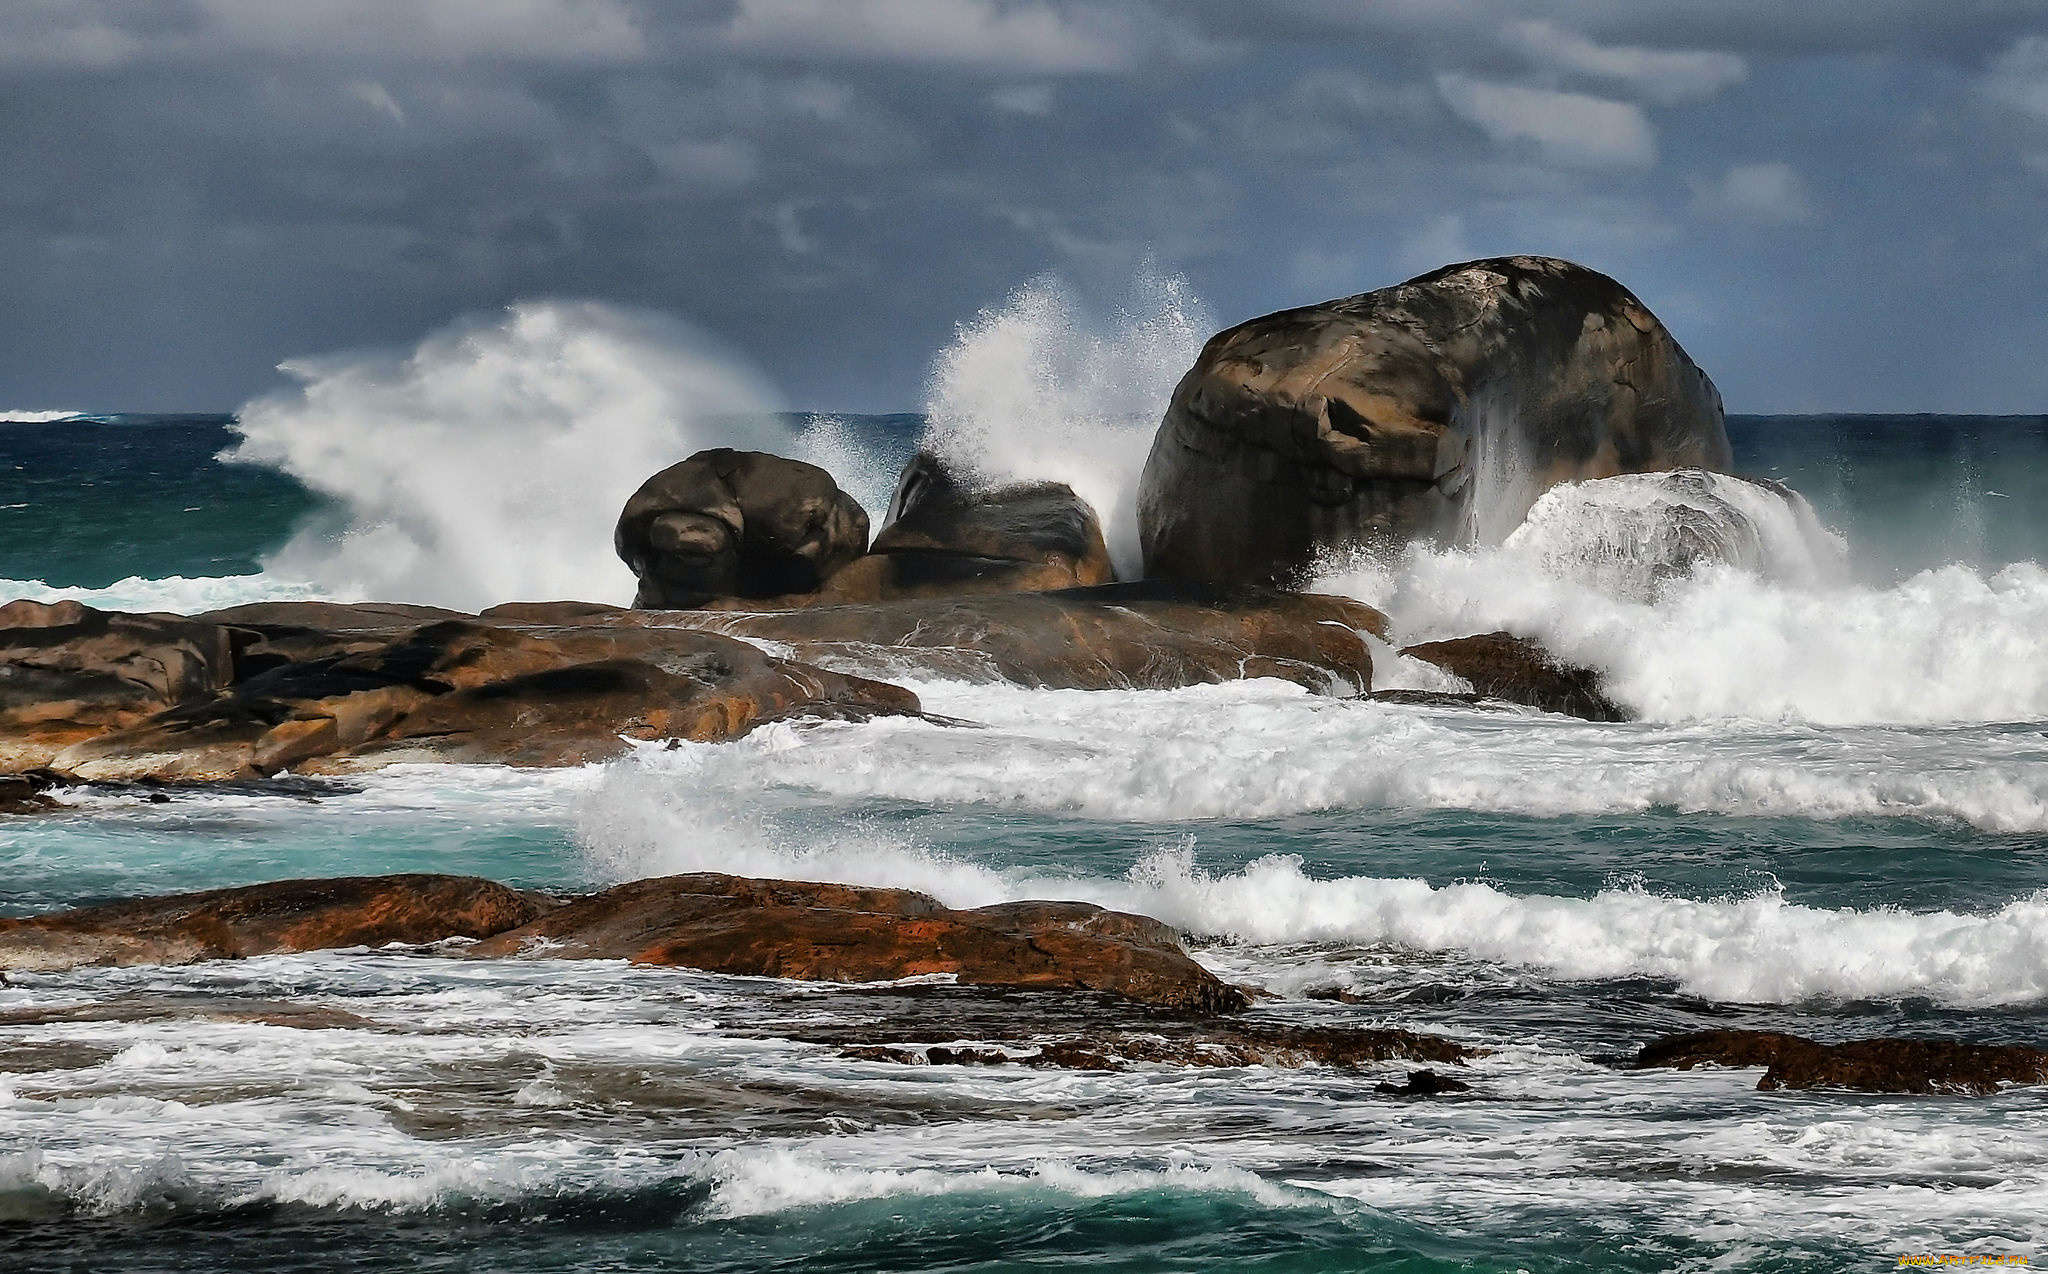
column 70, row 672
column 313, row 700
column 841, row 933
column 267, row 919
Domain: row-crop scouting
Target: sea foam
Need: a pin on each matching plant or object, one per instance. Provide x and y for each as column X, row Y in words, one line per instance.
column 667, row 812
column 1772, row 628
column 1044, row 388
column 489, row 463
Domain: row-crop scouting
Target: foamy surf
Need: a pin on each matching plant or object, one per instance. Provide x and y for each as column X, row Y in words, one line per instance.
column 663, row 813
column 177, row 594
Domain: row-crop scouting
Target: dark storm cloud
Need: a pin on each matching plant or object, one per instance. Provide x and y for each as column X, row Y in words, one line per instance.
column 1835, row 204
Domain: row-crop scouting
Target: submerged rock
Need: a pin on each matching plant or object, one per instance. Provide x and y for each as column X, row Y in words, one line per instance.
column 1874, row 1066
column 842, row 933
column 727, row 523
column 1438, row 408
column 1503, row 666
column 948, row 537
column 278, row 697
column 1150, row 635
column 268, row 919
column 1239, row 1044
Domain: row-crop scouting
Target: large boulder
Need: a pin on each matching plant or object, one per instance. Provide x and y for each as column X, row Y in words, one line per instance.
column 728, row 523
column 1438, row 408
column 1148, row 635
column 948, row 537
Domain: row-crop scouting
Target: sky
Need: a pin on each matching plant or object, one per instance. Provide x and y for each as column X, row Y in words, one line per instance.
column 1835, row 205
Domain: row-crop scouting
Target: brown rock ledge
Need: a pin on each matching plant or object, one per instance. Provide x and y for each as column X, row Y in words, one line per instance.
column 843, row 933
column 1872, row 1066
column 1149, row 635
column 278, row 917
column 87, row 692
column 719, row 923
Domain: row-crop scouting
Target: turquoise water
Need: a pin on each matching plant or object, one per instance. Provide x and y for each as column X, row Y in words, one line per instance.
column 1832, row 819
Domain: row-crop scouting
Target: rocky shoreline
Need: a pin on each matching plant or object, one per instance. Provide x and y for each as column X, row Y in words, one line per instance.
column 1368, row 421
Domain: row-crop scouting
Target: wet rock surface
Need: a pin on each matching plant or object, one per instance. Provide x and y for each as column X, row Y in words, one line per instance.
column 1276, row 1045
column 950, row 537
column 1438, row 408
column 1946, row 1067
column 69, row 672
column 841, row 933
column 373, row 689
column 1503, row 666
column 722, row 924
column 1150, row 635
column 728, row 523
column 267, row 919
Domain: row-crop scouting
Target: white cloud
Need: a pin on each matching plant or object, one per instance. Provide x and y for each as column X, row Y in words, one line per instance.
column 1019, row 35
column 96, row 34
column 1023, row 99
column 1567, row 128
column 2019, row 76
column 1772, row 192
column 1662, row 75
column 375, row 96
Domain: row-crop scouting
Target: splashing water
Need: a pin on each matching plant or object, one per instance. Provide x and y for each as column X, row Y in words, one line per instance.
column 489, row 463
column 1702, row 596
column 1043, row 389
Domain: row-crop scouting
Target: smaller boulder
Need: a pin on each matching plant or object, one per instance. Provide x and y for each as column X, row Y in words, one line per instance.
column 1504, row 666
column 728, row 523
column 947, row 536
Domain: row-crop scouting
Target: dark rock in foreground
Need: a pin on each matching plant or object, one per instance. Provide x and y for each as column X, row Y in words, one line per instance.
column 719, row 923
column 1150, row 635
column 1438, row 408
column 1504, row 666
column 947, row 537
column 727, row 523
column 841, row 933
column 254, row 920
column 1425, row 1083
column 1872, row 1066
column 256, row 698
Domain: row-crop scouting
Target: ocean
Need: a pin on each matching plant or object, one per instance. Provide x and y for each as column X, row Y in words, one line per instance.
column 1831, row 819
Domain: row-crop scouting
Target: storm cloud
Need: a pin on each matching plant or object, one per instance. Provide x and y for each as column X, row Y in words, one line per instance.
column 1836, row 206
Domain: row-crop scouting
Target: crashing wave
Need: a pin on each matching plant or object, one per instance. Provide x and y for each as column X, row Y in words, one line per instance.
column 1631, row 535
